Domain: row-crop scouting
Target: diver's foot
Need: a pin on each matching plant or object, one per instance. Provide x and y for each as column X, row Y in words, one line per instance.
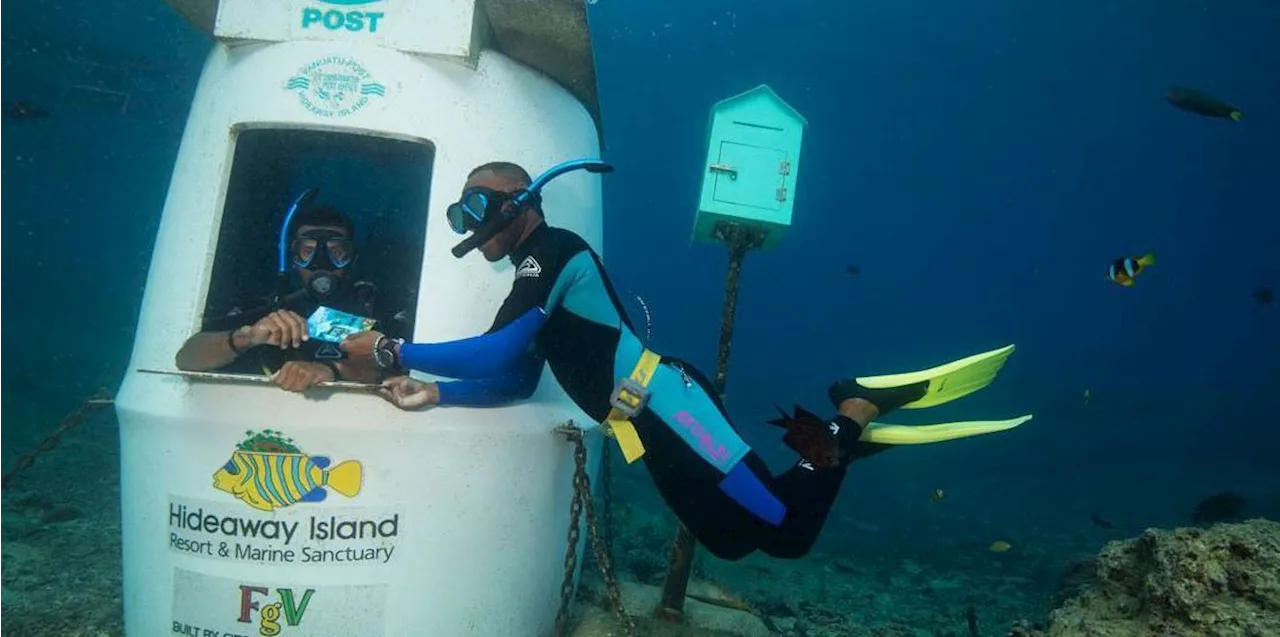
column 823, row 443
column 847, row 393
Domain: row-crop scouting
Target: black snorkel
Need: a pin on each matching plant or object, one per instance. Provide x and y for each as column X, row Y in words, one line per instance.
column 490, row 229
column 498, row 220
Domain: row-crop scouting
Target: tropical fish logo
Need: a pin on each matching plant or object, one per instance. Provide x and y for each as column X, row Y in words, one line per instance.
column 268, row 472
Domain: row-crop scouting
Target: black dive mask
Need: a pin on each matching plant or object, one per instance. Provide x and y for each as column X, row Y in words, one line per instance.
column 485, row 212
column 322, row 250
column 322, row 253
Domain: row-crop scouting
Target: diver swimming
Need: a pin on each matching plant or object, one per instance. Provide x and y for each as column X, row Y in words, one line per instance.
column 563, row 310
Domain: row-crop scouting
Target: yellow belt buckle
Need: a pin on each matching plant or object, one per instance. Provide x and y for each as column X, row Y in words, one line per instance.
column 629, row 397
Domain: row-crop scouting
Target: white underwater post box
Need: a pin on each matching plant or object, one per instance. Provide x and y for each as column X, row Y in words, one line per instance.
column 249, row 510
column 753, row 158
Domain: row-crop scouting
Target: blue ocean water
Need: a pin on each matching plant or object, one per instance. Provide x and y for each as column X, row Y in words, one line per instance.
column 980, row 165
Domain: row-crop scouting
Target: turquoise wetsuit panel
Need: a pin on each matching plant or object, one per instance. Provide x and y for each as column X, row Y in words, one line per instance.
column 685, row 408
column 580, row 289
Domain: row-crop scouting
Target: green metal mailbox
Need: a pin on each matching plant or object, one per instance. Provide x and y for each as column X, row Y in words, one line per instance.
column 753, row 157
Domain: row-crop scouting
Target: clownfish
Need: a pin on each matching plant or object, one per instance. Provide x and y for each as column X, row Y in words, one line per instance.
column 1124, row 271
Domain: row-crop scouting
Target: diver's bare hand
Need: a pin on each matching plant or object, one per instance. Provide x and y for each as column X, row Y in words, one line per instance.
column 359, row 347
column 284, row 328
column 302, row 375
column 406, row 393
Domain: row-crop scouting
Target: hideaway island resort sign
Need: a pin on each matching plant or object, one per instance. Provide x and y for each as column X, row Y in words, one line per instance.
column 269, row 474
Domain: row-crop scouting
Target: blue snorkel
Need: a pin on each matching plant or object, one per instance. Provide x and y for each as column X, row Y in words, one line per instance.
column 492, row 224
column 303, row 199
column 282, row 272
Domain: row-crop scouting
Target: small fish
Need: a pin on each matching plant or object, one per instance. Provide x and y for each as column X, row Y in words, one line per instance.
column 1219, row 507
column 852, row 270
column 1100, row 521
column 999, row 546
column 18, row 109
column 268, row 481
column 1124, row 271
column 1263, row 295
column 938, row 496
column 1087, row 397
column 1193, row 101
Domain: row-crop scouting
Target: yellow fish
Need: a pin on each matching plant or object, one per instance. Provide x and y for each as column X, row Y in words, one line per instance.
column 270, row 480
column 1000, row 546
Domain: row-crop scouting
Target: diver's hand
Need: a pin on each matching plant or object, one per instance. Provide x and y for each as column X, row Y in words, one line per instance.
column 359, row 347
column 301, row 375
column 281, row 327
column 406, row 393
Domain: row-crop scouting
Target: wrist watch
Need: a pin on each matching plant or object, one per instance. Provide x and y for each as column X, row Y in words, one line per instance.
column 384, row 352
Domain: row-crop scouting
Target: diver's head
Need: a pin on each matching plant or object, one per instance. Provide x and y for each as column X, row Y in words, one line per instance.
column 322, row 248
column 489, row 197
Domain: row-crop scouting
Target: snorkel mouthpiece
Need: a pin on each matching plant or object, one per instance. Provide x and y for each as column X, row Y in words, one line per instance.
column 322, row 285
column 493, row 225
column 477, row 239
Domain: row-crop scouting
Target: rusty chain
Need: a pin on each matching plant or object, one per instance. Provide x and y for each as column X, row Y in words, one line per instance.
column 600, row 541
column 606, row 499
column 92, row 404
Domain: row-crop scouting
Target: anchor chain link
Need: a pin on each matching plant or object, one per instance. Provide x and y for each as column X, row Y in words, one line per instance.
column 91, row 405
column 606, row 499
column 600, row 541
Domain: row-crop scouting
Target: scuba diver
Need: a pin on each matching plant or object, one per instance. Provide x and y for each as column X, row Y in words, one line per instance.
column 562, row 309
column 318, row 241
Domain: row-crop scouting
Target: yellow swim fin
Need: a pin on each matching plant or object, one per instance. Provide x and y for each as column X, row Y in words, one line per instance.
column 886, row 434
column 946, row 382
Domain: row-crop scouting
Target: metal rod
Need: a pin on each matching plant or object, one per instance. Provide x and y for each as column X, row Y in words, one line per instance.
column 257, row 379
column 740, row 240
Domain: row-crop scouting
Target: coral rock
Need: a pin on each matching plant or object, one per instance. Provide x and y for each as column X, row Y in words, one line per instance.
column 1189, row 582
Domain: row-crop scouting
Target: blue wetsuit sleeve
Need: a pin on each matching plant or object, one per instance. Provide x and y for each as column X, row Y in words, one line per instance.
column 518, row 384
column 480, row 357
column 540, row 282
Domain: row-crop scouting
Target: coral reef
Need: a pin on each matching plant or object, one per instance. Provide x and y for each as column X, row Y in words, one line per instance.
column 1189, row 582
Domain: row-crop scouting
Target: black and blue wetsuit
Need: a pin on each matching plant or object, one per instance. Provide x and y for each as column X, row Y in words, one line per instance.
column 563, row 309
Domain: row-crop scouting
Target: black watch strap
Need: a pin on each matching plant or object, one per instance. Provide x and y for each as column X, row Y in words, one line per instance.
column 231, row 342
column 337, row 375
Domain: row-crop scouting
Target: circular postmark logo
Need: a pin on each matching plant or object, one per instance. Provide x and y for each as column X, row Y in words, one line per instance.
column 334, row 86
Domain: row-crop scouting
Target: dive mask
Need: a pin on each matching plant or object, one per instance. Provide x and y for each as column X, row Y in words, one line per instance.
column 484, row 211
column 322, row 250
column 474, row 207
